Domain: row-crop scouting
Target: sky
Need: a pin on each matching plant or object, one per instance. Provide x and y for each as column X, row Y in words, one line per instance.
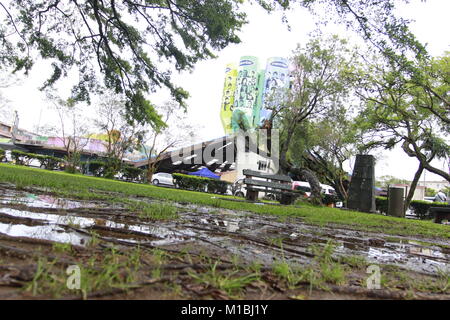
column 265, row 36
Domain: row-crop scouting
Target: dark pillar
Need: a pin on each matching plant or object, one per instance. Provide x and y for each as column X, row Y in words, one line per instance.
column 396, row 207
column 362, row 187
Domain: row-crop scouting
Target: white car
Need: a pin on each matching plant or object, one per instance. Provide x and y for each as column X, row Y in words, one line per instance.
column 162, row 178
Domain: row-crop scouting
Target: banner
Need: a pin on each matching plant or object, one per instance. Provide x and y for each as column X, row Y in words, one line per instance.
column 259, row 100
column 276, row 82
column 246, row 94
column 229, row 89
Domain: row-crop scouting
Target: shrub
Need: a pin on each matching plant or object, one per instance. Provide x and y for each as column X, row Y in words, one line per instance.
column 132, row 173
column 382, row 204
column 200, row 184
column 422, row 208
column 97, row 167
column 2, row 155
column 328, row 199
column 24, row 158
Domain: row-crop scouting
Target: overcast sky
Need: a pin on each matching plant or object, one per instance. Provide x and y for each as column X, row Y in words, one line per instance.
column 265, row 36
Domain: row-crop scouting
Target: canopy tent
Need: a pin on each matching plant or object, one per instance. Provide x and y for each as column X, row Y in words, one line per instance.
column 206, row 173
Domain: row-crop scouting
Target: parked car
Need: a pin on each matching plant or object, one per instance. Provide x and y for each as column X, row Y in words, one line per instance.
column 302, row 186
column 238, row 189
column 306, row 189
column 162, row 178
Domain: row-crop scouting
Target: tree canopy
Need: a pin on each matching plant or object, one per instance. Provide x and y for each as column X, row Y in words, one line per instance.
column 122, row 44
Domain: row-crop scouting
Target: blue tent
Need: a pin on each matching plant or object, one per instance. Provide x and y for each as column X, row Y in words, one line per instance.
column 206, row 173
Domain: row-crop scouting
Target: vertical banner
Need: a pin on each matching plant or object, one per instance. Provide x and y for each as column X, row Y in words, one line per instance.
column 246, row 94
column 276, row 82
column 259, row 100
column 229, row 89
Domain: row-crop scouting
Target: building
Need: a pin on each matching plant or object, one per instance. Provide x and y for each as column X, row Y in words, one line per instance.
column 227, row 157
column 435, row 185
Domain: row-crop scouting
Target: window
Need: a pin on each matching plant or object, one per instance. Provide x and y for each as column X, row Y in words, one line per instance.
column 262, row 165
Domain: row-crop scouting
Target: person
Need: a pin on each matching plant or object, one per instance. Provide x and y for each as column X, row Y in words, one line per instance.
column 440, row 197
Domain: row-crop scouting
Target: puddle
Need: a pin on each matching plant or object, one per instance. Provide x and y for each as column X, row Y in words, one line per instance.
column 154, row 235
column 46, row 201
column 45, row 232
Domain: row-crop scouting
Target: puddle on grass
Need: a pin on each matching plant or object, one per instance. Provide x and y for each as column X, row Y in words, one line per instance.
column 45, row 201
column 44, row 232
column 154, row 235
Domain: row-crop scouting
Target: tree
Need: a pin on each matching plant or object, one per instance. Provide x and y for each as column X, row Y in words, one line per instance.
column 387, row 180
column 73, row 130
column 158, row 141
column 318, row 85
column 119, row 43
column 121, row 135
column 330, row 142
column 6, row 112
column 395, row 112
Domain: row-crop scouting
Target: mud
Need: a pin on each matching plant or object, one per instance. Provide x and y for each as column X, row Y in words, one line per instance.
column 253, row 237
column 218, row 232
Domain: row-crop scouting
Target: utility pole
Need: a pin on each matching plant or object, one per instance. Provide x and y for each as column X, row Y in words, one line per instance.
column 15, row 127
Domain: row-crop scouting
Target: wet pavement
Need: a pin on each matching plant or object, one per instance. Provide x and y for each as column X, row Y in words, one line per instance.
column 252, row 237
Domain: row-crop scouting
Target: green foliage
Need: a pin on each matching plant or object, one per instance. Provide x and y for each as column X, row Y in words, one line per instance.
column 430, row 192
column 2, row 155
column 405, row 110
column 200, row 184
column 132, row 173
column 24, row 158
column 106, row 168
column 382, row 204
column 422, row 208
column 123, row 39
column 329, row 199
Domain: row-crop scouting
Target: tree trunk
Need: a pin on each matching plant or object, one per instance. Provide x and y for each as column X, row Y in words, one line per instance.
column 413, row 186
column 316, row 190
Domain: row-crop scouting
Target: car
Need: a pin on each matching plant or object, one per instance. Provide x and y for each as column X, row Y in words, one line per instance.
column 304, row 187
column 238, row 189
column 162, row 178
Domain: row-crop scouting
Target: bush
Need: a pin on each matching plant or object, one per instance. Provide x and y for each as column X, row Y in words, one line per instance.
column 2, row 155
column 328, row 199
column 132, row 173
column 422, row 208
column 200, row 184
column 382, row 204
column 24, row 158
column 97, row 167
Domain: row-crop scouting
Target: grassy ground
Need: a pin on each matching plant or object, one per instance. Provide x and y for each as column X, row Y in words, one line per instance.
column 91, row 188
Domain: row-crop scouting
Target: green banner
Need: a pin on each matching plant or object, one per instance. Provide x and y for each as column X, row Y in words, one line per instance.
column 229, row 88
column 246, row 94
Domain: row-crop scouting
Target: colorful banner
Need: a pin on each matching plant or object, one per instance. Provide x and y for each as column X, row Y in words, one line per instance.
column 276, row 82
column 229, row 88
column 259, row 100
column 246, row 94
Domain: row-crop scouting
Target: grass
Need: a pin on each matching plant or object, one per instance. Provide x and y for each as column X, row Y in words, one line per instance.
column 101, row 272
column 323, row 270
column 85, row 187
column 232, row 283
column 153, row 211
